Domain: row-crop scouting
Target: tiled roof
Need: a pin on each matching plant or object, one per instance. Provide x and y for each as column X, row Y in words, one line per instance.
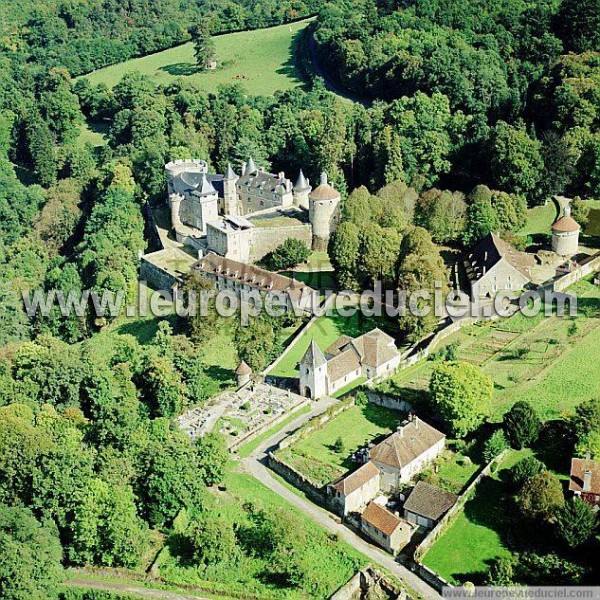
column 374, row 348
column 243, row 369
column 356, row 480
column 343, row 364
column 429, row 501
column 490, row 251
column 324, row 192
column 251, row 275
column 578, row 467
column 381, row 518
column 405, row 445
column 566, row 225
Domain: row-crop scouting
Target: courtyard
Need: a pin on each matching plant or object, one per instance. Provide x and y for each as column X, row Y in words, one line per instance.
column 319, row 458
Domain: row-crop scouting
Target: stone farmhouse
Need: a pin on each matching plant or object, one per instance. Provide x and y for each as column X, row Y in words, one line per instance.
column 240, row 277
column 245, row 216
column 405, row 453
column 394, row 461
column 427, row 504
column 584, row 480
column 371, row 355
column 494, row 266
column 385, row 528
column 354, row 492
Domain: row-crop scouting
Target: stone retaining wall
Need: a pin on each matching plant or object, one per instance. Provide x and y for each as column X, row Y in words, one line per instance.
column 592, row 266
column 298, row 480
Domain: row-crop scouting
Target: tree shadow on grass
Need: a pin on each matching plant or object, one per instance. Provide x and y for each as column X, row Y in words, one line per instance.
column 181, row 69
column 382, row 417
column 217, row 373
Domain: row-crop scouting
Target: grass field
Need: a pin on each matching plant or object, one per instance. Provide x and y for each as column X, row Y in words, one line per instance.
column 260, row 60
column 476, row 537
column 540, row 219
column 550, row 362
column 248, row 576
column 315, row 455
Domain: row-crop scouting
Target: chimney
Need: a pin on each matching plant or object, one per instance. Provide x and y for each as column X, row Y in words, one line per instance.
column 243, row 169
column 416, row 421
column 567, row 210
column 281, row 175
column 587, row 480
column 323, row 178
column 401, row 432
column 485, row 256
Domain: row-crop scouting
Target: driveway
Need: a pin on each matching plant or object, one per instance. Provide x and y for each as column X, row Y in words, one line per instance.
column 255, row 464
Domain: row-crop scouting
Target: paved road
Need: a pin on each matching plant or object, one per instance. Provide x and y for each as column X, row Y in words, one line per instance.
column 255, row 465
column 128, row 588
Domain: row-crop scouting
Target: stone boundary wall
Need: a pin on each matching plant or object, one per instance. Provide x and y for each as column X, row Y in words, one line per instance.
column 298, row 480
column 592, row 266
column 266, row 239
column 435, row 533
column 158, row 278
column 366, row 580
column 267, row 425
column 386, row 401
column 317, row 422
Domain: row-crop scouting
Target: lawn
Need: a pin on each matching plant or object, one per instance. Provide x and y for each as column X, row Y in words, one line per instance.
column 261, row 60
column 464, row 551
column 248, row 577
column 550, row 362
column 315, row 455
column 540, row 219
column 454, row 471
column 325, row 330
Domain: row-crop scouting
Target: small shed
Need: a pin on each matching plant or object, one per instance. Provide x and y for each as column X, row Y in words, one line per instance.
column 427, row 504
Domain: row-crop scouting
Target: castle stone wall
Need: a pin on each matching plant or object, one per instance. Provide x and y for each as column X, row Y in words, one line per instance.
column 266, row 239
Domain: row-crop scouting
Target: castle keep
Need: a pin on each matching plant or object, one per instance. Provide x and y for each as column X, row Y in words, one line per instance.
column 245, row 216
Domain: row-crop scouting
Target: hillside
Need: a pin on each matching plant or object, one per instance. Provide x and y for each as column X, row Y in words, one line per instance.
column 261, row 60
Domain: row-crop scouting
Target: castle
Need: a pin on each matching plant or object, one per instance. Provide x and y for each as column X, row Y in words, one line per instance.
column 244, row 217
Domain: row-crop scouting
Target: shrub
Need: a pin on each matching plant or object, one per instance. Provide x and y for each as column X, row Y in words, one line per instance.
column 494, row 446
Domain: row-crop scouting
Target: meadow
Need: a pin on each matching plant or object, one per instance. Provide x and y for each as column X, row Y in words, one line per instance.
column 262, row 61
column 316, row 457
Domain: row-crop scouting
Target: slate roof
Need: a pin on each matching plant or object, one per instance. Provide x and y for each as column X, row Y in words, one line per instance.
column 578, row 467
column 405, row 445
column 381, row 518
column 313, row 355
column 249, row 274
column 261, row 180
column 205, row 187
column 429, row 501
column 301, row 183
column 356, row 480
column 490, row 251
column 230, row 173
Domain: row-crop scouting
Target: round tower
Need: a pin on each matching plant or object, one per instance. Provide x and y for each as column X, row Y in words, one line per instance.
column 243, row 374
column 565, row 234
column 302, row 191
column 229, row 193
column 324, row 213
